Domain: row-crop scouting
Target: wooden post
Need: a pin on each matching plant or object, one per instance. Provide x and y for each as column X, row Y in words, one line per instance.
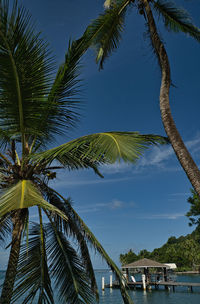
column 165, row 274
column 127, row 275
column 103, row 283
column 165, row 277
column 144, row 281
column 111, row 281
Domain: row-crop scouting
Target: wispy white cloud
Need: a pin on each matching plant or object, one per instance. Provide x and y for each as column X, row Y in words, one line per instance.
column 113, row 205
column 116, row 168
column 180, row 194
column 157, row 156
column 166, row 216
column 160, row 154
column 84, row 181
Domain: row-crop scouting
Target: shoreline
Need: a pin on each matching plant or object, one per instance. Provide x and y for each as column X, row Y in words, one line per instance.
column 187, row 272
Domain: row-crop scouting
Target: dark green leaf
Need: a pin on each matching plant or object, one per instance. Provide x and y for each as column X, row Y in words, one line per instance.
column 176, row 19
column 72, row 228
column 104, row 33
column 66, row 267
column 33, row 274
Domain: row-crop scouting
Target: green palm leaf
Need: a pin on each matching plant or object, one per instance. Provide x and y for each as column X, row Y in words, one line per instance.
column 5, row 228
column 24, row 195
column 66, row 267
column 33, row 275
column 72, row 229
column 89, row 236
column 62, row 99
column 24, row 77
column 100, row 148
column 5, row 138
column 176, row 19
column 104, row 33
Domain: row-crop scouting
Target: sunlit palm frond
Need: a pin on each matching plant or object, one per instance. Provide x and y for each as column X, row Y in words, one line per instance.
column 24, row 77
column 104, row 33
column 66, row 267
column 176, row 19
column 33, row 279
column 24, row 195
column 100, row 148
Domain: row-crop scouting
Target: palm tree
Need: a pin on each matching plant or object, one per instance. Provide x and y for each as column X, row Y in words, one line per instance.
column 36, row 105
column 104, row 34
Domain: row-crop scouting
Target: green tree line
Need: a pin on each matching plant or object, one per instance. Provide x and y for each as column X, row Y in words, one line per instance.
column 183, row 251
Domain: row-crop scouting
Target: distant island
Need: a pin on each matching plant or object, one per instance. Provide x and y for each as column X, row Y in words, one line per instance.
column 184, row 251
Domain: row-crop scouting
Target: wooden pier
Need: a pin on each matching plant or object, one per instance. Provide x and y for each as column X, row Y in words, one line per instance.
column 166, row 285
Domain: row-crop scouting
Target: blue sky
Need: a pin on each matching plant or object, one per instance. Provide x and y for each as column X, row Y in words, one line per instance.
column 138, row 206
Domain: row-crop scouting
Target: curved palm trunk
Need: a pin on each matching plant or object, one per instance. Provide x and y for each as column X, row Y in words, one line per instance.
column 7, row 291
column 177, row 143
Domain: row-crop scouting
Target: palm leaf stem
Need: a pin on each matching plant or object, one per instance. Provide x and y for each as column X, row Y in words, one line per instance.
column 17, row 156
column 33, row 144
column 124, row 6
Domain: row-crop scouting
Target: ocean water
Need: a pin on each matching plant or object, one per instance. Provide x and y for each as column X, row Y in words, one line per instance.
column 161, row 296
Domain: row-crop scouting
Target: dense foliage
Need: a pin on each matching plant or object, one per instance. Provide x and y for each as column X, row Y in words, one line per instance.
column 194, row 212
column 184, row 251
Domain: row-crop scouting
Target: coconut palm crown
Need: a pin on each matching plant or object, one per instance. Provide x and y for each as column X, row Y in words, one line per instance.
column 36, row 106
column 104, row 35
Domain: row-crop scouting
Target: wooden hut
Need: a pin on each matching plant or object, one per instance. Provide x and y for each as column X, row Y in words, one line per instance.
column 145, row 265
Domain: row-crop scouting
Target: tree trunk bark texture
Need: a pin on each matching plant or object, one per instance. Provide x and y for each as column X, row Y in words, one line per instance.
column 177, row 143
column 8, row 285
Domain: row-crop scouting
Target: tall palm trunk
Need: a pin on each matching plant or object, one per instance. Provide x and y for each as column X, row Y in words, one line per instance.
column 177, row 143
column 18, row 223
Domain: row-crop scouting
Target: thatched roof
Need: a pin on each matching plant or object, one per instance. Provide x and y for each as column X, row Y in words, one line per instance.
column 145, row 263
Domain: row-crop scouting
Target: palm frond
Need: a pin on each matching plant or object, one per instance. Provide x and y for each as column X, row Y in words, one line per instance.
column 5, row 228
column 62, row 105
column 24, row 195
column 5, row 138
column 33, row 276
column 95, row 149
column 104, row 33
column 89, row 236
column 176, row 19
column 66, row 267
column 25, row 68
column 72, row 229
